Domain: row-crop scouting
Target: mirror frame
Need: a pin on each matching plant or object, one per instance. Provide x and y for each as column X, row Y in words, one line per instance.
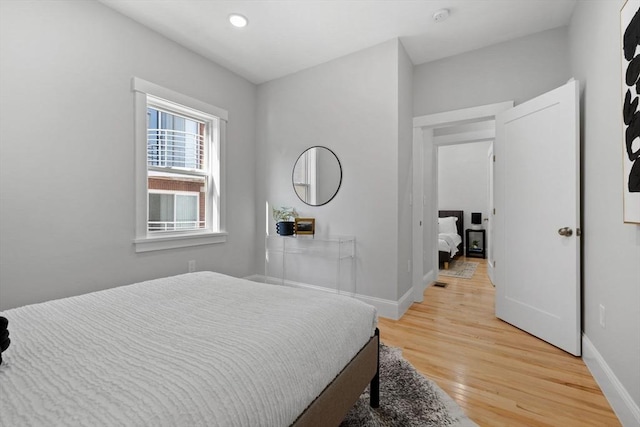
column 339, row 182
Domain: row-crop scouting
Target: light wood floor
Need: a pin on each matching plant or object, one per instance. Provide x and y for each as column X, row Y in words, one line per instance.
column 499, row 375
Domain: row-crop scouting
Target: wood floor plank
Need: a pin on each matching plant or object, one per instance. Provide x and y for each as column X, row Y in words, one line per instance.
column 499, row 375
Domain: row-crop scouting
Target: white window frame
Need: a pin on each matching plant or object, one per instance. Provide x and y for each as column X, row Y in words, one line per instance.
column 311, row 176
column 146, row 241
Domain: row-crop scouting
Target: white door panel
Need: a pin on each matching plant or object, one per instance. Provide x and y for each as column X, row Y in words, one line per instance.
column 537, row 172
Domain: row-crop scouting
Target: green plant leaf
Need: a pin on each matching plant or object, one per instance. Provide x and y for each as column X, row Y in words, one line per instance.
column 284, row 214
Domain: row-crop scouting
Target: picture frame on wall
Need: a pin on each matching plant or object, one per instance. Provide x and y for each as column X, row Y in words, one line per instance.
column 630, row 54
column 305, row 226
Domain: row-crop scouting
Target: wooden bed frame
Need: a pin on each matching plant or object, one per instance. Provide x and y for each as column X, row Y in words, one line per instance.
column 331, row 406
column 445, row 257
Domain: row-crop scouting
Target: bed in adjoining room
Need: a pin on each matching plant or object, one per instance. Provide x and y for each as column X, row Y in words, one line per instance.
column 198, row 349
column 450, row 232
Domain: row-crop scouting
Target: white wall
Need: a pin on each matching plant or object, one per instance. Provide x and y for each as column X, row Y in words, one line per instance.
column 351, row 106
column 463, row 179
column 611, row 259
column 516, row 70
column 66, row 150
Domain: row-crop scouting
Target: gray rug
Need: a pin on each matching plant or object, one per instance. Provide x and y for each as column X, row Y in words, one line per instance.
column 406, row 399
column 460, row 269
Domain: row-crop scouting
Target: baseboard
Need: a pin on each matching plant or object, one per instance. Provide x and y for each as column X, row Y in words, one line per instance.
column 404, row 303
column 623, row 405
column 427, row 280
column 389, row 309
column 385, row 308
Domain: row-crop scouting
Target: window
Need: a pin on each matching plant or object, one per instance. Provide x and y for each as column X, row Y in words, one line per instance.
column 177, row 163
column 179, row 179
column 301, row 177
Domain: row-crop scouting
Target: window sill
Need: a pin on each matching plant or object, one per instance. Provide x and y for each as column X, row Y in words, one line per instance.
column 159, row 243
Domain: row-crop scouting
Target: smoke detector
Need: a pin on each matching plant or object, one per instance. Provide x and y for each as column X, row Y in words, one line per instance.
column 441, row 15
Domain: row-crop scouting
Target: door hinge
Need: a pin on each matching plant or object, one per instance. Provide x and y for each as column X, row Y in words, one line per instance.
column 494, row 158
column 494, row 211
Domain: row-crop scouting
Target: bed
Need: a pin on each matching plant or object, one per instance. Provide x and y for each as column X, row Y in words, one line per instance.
column 194, row 349
column 450, row 232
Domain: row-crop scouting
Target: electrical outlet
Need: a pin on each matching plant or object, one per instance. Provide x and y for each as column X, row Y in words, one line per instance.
column 602, row 316
column 192, row 266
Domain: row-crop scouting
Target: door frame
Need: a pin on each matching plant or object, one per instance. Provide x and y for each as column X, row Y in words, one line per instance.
column 490, row 222
column 425, row 165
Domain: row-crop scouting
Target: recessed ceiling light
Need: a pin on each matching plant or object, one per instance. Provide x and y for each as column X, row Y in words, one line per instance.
column 441, row 15
column 238, row 20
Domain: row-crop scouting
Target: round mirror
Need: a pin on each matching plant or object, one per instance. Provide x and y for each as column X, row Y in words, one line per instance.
column 317, row 176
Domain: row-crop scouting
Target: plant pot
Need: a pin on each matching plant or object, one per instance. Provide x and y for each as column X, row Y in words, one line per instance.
column 285, row 228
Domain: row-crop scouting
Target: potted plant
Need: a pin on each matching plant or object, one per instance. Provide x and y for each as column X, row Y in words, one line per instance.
column 474, row 244
column 284, row 217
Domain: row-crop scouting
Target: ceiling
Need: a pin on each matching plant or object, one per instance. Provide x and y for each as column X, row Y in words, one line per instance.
column 285, row 36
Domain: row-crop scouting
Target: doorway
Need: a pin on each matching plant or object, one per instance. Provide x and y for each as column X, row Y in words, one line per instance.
column 464, row 185
column 430, row 132
column 536, row 183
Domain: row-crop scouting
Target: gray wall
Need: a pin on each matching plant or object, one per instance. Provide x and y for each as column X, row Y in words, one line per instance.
column 66, row 150
column 611, row 260
column 517, row 70
column 351, row 106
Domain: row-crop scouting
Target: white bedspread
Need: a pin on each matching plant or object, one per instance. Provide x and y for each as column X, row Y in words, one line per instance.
column 191, row 350
column 448, row 242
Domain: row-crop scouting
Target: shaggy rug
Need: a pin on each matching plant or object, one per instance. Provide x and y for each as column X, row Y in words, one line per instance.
column 460, row 269
column 407, row 399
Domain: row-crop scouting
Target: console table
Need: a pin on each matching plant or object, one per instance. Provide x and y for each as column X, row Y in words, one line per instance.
column 313, row 262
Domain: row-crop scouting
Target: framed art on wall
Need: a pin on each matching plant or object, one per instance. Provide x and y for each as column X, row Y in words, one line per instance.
column 630, row 37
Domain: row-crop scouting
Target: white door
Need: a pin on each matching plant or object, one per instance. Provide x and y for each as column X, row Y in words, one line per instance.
column 537, row 219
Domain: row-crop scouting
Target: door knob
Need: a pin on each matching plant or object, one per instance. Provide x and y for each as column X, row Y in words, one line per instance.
column 565, row 231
